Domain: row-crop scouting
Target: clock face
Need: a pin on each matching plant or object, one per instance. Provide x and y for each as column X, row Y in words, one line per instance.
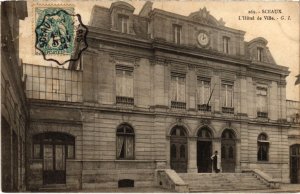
column 203, row 39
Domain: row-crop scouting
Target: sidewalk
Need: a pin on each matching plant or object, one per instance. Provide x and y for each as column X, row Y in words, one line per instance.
column 284, row 188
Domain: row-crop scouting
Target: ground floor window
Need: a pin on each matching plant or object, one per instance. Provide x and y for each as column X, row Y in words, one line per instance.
column 125, row 142
column 263, row 147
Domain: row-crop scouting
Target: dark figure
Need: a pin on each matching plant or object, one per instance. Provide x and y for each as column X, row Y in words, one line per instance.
column 216, row 162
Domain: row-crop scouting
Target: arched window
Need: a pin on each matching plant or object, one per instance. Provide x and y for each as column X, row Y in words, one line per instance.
column 204, row 132
column 228, row 134
column 178, row 131
column 125, row 142
column 262, row 147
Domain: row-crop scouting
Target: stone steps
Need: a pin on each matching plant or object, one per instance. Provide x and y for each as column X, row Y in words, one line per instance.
column 200, row 182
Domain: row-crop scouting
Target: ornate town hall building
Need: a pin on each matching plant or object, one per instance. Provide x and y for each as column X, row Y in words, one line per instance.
column 159, row 91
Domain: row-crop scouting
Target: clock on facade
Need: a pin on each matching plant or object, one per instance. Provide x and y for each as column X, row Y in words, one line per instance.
column 203, row 39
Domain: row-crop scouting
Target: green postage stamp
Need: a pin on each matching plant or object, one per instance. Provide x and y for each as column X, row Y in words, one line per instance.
column 59, row 31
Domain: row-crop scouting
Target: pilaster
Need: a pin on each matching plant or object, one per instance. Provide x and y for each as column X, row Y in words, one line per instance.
column 192, row 158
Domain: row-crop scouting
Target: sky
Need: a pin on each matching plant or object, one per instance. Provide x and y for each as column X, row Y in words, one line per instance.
column 282, row 35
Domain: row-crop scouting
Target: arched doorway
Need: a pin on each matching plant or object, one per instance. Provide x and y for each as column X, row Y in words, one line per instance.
column 204, row 150
column 53, row 148
column 178, row 148
column 295, row 163
column 228, row 151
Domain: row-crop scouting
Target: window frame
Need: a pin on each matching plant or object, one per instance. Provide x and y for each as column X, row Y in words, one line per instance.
column 178, row 76
column 226, row 40
column 123, row 18
column 177, row 34
column 53, row 138
column 202, row 92
column 121, row 97
column 262, row 98
column 260, row 51
column 226, row 84
column 125, row 135
column 260, row 144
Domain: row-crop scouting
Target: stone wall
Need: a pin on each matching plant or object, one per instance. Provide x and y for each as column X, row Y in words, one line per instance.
column 14, row 111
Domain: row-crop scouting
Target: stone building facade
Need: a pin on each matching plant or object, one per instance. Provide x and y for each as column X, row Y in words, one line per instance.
column 158, row 90
column 14, row 113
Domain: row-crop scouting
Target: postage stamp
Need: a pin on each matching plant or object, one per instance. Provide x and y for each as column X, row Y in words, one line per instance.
column 59, row 32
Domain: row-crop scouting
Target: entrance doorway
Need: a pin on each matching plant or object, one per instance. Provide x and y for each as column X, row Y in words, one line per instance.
column 178, row 147
column 54, row 167
column 54, row 148
column 204, row 150
column 228, row 151
column 295, row 163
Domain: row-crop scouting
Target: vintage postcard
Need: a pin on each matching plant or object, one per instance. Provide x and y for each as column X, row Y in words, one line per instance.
column 150, row 96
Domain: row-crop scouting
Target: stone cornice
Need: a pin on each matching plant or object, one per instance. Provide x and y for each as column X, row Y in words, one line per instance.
column 272, row 68
column 155, row 45
column 56, row 121
column 92, row 107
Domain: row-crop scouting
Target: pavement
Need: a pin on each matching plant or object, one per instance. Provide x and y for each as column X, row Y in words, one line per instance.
column 284, row 188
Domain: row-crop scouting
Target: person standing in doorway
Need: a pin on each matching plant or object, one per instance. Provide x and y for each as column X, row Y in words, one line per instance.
column 216, row 162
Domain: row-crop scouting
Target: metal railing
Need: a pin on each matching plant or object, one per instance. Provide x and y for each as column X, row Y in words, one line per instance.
column 204, row 107
column 124, row 100
column 178, row 105
column 262, row 114
column 229, row 110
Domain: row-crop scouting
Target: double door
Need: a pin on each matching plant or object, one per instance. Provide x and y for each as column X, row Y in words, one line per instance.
column 54, row 163
column 179, row 154
column 228, row 155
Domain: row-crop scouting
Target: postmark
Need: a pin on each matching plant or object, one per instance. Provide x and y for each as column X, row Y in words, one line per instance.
column 60, row 35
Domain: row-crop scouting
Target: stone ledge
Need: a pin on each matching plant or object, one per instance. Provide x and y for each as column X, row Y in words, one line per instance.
column 169, row 179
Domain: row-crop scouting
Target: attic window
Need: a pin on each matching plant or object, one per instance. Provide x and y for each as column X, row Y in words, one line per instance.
column 226, row 44
column 177, row 33
column 123, row 23
column 259, row 54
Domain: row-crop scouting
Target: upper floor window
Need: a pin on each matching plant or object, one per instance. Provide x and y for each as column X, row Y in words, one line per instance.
column 203, row 94
column 226, row 44
column 124, row 85
column 227, row 98
column 260, row 54
column 263, row 147
column 262, row 101
column 178, row 87
column 125, row 142
column 177, row 34
column 123, row 23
